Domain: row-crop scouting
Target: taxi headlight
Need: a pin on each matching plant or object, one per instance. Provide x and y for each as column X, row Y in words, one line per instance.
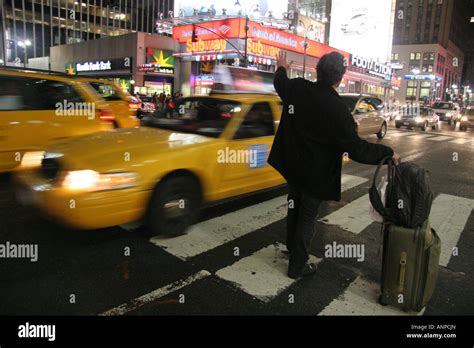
column 418, row 119
column 90, row 180
column 464, row 118
column 32, row 159
column 398, row 118
column 448, row 114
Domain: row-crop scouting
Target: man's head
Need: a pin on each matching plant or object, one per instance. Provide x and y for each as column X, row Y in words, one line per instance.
column 331, row 68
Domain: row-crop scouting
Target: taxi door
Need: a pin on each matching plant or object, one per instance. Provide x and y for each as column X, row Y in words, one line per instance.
column 246, row 152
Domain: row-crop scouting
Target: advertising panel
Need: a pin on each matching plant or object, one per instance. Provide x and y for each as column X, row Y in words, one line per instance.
column 254, row 8
column 363, row 27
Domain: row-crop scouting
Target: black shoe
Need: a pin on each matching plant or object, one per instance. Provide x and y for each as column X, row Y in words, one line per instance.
column 308, row 269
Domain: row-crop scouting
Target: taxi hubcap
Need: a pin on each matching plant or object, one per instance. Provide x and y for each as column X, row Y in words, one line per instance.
column 176, row 208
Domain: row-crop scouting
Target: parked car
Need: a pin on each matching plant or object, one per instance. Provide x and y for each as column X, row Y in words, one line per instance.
column 467, row 119
column 423, row 119
column 447, row 111
column 368, row 114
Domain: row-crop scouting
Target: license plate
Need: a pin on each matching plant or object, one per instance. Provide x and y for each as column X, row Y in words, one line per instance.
column 406, row 123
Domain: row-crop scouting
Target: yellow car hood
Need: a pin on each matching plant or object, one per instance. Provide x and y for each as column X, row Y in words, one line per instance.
column 109, row 150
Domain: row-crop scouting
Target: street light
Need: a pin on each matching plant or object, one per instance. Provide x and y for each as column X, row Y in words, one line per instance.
column 23, row 44
column 301, row 28
column 416, row 71
column 255, row 8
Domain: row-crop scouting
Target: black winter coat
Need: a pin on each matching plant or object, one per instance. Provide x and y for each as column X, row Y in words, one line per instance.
column 316, row 129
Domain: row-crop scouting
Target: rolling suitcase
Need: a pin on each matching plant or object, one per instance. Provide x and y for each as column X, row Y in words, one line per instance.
column 411, row 249
column 410, row 265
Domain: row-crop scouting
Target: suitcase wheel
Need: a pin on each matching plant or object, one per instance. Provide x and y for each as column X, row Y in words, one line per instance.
column 381, row 301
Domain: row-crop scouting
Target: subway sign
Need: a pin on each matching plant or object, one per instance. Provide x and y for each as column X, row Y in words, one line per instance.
column 372, row 67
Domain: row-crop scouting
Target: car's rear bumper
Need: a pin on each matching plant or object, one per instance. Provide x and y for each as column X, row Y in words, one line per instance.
column 409, row 123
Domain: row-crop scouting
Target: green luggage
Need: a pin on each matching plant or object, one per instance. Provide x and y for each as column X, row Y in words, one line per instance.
column 411, row 248
column 410, row 266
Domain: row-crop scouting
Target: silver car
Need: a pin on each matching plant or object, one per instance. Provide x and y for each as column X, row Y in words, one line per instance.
column 447, row 111
column 424, row 118
column 368, row 113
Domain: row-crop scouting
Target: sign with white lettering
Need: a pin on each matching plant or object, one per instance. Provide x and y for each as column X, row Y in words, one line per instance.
column 104, row 65
column 372, row 67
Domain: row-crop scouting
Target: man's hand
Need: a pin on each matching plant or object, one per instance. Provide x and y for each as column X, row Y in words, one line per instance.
column 396, row 158
column 281, row 60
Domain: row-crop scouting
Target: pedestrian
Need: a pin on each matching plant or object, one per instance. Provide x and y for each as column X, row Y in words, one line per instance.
column 316, row 129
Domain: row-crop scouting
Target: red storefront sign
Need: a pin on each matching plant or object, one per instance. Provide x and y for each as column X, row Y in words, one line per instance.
column 233, row 28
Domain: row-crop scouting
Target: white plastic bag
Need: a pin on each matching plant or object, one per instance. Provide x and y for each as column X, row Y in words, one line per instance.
column 381, row 187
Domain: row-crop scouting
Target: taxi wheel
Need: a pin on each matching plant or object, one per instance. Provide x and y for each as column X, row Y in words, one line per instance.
column 174, row 206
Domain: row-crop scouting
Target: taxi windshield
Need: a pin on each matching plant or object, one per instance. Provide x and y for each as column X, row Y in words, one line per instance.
column 203, row 116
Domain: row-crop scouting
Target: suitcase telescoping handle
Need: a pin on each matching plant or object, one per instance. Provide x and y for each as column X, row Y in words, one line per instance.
column 374, row 195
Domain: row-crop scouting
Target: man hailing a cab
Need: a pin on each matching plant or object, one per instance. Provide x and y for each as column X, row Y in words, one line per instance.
column 316, row 129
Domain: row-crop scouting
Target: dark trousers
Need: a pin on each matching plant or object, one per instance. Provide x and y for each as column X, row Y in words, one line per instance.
column 302, row 213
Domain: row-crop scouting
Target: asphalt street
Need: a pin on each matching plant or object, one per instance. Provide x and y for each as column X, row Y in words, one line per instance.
column 231, row 261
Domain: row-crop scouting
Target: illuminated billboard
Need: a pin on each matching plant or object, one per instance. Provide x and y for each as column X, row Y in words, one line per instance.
column 363, row 27
column 231, row 7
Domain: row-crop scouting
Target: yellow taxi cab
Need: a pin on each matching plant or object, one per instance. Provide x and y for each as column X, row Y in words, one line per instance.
column 211, row 148
column 120, row 102
column 38, row 108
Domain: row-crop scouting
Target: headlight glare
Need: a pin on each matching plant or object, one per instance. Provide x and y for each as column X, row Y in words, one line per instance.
column 32, row 159
column 90, row 180
column 464, row 118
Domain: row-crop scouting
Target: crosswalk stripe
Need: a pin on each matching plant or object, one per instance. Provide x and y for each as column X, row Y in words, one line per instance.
column 400, row 134
column 440, row 138
column 361, row 298
column 212, row 233
column 461, row 141
column 263, row 275
column 421, row 136
column 448, row 216
column 353, row 217
column 155, row 294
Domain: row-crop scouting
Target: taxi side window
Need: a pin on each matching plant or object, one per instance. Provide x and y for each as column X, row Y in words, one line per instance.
column 24, row 93
column 257, row 123
column 108, row 92
column 12, row 93
column 54, row 92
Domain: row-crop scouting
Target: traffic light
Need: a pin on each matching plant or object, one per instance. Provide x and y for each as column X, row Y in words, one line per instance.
column 194, row 37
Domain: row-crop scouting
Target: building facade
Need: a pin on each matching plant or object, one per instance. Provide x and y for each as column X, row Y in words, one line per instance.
column 430, row 38
column 31, row 27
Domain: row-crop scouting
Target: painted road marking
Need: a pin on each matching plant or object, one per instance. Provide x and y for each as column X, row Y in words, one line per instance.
column 421, row 136
column 262, row 275
column 448, row 216
column 440, row 138
column 212, row 233
column 155, row 294
column 461, row 141
column 361, row 298
column 353, row 217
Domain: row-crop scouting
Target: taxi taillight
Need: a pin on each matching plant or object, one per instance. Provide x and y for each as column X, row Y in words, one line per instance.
column 106, row 115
